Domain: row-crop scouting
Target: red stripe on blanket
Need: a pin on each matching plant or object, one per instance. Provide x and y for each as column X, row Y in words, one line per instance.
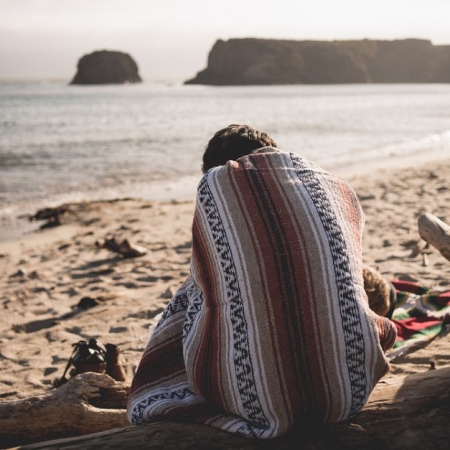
column 408, row 327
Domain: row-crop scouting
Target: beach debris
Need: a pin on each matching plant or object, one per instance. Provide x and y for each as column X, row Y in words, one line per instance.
column 97, row 398
column 20, row 273
column 436, row 233
column 89, row 302
column 54, row 216
column 124, row 247
column 114, row 367
column 93, row 356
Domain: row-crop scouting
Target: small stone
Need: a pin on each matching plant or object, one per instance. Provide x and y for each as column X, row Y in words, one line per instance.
column 20, row 273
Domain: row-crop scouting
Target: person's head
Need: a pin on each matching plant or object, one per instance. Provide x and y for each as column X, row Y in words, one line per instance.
column 231, row 143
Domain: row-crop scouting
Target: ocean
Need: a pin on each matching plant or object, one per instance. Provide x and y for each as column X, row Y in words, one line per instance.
column 66, row 143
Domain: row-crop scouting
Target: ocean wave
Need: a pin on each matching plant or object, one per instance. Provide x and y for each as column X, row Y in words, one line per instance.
column 88, row 142
column 434, row 145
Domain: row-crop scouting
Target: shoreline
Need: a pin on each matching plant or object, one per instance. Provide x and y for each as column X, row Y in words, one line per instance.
column 392, row 163
column 14, row 222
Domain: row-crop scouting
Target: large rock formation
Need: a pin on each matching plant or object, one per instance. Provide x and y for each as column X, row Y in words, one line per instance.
column 268, row 61
column 106, row 67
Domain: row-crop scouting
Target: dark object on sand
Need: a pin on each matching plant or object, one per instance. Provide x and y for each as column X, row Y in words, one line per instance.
column 93, row 356
column 106, row 67
column 114, row 367
column 123, row 247
column 53, row 216
column 87, row 303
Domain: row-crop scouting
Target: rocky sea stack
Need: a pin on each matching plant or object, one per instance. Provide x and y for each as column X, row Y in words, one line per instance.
column 268, row 61
column 106, row 67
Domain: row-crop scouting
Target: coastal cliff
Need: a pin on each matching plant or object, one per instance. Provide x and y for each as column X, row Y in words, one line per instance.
column 106, row 67
column 267, row 61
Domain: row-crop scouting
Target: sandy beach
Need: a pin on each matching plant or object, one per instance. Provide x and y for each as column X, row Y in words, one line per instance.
column 45, row 274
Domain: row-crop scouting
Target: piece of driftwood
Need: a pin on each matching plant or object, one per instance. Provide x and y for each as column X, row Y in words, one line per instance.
column 87, row 403
column 124, row 247
column 436, row 233
column 402, row 413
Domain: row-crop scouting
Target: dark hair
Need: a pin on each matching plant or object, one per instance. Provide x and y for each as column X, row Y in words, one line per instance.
column 233, row 142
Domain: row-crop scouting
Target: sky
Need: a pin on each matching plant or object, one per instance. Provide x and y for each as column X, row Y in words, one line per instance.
column 171, row 39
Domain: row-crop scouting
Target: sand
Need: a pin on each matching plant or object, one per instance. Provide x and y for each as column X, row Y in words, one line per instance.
column 45, row 274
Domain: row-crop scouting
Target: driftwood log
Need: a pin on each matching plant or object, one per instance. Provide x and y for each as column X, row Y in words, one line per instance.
column 87, row 403
column 402, row 413
column 436, row 233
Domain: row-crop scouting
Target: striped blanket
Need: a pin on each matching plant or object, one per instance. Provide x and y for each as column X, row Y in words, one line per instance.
column 273, row 323
column 420, row 316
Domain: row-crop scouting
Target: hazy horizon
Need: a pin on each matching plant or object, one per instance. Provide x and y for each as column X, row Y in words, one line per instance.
column 43, row 39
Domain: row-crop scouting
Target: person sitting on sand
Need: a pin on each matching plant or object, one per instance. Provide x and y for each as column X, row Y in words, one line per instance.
column 273, row 326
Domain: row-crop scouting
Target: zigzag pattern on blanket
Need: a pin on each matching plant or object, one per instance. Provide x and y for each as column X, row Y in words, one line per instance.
column 276, row 325
column 163, row 356
column 351, row 325
column 244, row 376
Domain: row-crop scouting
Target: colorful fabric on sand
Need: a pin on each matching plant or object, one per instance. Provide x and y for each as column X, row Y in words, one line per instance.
column 420, row 316
column 273, row 323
